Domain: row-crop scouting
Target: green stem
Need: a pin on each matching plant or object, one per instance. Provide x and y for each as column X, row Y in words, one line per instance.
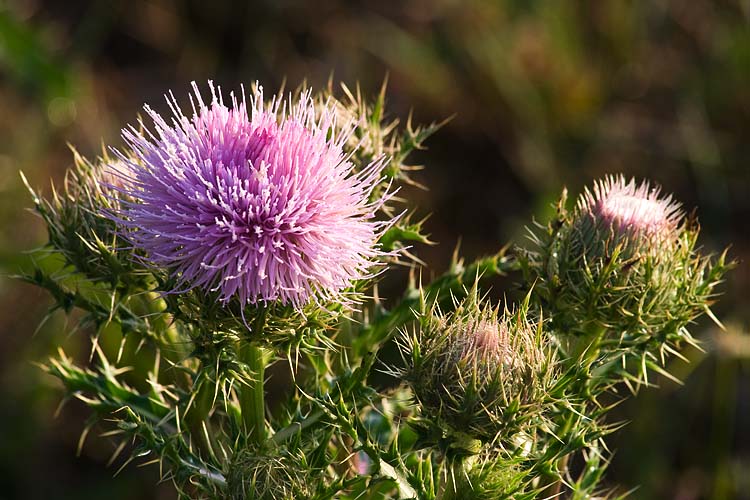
column 172, row 346
column 550, row 481
column 584, row 353
column 252, row 396
column 197, row 416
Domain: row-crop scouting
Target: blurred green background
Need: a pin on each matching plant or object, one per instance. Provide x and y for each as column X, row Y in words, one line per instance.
column 546, row 94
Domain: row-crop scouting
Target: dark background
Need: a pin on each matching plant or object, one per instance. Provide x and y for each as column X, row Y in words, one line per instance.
column 545, row 94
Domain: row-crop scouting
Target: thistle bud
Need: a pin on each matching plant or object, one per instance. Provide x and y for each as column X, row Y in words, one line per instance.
column 622, row 263
column 260, row 476
column 478, row 372
column 491, row 476
column 78, row 231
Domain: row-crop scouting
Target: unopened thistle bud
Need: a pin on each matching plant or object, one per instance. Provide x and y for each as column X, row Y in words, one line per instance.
column 260, row 476
column 491, row 476
column 623, row 261
column 77, row 229
column 479, row 372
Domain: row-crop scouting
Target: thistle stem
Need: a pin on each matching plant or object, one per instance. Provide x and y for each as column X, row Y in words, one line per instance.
column 171, row 345
column 458, row 469
column 197, row 417
column 252, row 396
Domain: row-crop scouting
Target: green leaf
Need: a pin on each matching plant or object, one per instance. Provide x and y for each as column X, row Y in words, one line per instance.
column 404, row 488
column 403, row 233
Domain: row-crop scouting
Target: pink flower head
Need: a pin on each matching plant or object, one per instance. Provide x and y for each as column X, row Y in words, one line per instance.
column 261, row 205
column 631, row 210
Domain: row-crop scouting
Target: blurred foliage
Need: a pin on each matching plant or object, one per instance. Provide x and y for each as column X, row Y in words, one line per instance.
column 545, row 93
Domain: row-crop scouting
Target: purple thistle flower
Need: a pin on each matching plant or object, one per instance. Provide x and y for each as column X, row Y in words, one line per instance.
column 261, row 206
column 632, row 210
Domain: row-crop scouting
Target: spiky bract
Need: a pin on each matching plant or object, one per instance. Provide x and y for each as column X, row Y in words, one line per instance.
column 261, row 206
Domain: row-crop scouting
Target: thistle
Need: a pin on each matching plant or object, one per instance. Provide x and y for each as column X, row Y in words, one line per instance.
column 202, row 254
column 483, row 374
column 259, row 205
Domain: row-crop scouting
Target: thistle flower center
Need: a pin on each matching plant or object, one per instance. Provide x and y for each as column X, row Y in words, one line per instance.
column 486, row 340
column 631, row 210
column 626, row 212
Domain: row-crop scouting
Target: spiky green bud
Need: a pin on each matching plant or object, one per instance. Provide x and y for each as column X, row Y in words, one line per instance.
column 480, row 372
column 492, row 476
column 624, row 261
column 77, row 228
column 266, row 476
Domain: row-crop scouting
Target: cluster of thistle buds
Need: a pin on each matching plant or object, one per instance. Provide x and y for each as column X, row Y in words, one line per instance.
column 253, row 231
